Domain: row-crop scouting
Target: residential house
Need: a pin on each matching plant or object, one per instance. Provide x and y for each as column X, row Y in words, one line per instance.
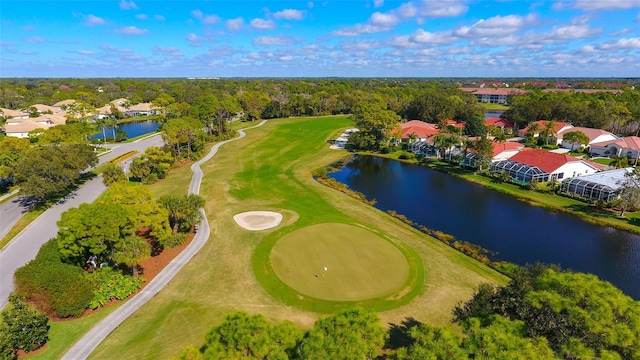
column 15, row 114
column 21, row 127
column 594, row 135
column 540, row 165
column 505, row 124
column 558, row 127
column 420, row 129
column 501, row 151
column 628, row 146
column 142, row 109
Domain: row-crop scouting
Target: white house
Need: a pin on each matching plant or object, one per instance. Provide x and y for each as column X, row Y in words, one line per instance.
column 594, row 135
column 626, row 146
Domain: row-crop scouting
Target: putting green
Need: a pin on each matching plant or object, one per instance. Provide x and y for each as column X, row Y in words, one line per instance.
column 359, row 264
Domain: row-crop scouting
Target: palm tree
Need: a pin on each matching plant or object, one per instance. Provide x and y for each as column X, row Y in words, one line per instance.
column 619, row 161
column 549, row 130
column 533, row 129
column 131, row 250
column 439, row 141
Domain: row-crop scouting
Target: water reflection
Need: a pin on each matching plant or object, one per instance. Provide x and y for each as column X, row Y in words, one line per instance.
column 516, row 231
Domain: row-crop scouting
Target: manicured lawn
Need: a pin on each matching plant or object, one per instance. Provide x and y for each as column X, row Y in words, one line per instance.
column 489, row 106
column 360, row 264
column 271, row 169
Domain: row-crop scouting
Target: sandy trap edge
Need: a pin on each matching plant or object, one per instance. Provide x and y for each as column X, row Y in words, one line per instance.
column 258, row 220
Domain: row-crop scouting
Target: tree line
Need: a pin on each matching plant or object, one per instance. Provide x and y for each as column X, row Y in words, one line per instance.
column 542, row 313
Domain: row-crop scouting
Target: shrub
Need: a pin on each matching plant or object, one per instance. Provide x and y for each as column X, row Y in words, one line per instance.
column 54, row 287
column 174, row 240
column 23, row 328
column 406, row 156
column 108, row 285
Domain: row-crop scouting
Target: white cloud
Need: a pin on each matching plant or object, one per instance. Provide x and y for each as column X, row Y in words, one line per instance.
column 132, row 30
column 168, row 51
column 289, row 14
column 273, row 41
column 443, row 8
column 29, row 28
column 630, row 43
column 622, row 32
column 235, row 24
column 286, row 58
column 590, row 5
column 360, row 45
column 262, row 24
column 141, row 16
column 379, row 22
column 428, row 38
column 358, row 30
column 159, row 17
column 570, row 32
column 128, row 5
column 378, row 3
column 85, row 52
column 383, row 20
column 94, row 20
column 495, row 26
column 205, row 18
column 192, row 37
column 35, row 39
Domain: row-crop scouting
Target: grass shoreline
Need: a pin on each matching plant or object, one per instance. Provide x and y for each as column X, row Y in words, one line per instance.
column 550, row 202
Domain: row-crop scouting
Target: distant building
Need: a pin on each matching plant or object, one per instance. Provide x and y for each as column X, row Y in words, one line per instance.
column 493, row 95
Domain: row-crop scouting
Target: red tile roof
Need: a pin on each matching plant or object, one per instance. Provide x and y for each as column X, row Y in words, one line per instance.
column 499, row 122
column 418, row 127
column 557, row 125
column 592, row 134
column 628, row 142
column 504, row 146
column 545, row 160
column 455, row 123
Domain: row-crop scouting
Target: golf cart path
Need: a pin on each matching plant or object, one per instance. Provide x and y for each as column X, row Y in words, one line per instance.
column 83, row 348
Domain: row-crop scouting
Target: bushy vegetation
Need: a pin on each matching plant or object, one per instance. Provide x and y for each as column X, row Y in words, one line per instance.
column 108, row 284
column 54, row 287
column 21, row 328
column 543, row 313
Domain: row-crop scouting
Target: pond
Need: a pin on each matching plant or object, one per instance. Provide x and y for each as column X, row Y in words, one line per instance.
column 132, row 129
column 516, row 231
column 492, row 114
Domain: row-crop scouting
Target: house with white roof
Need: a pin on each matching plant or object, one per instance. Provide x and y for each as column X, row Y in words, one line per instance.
column 594, row 135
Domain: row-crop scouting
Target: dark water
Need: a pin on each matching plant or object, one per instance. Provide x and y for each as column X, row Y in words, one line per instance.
column 133, row 129
column 518, row 232
column 492, row 114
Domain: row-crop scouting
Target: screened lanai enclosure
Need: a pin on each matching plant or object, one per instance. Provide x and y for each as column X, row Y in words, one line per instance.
column 604, row 185
column 518, row 172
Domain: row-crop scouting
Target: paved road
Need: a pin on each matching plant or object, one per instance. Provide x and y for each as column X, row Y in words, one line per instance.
column 24, row 247
column 98, row 333
column 12, row 210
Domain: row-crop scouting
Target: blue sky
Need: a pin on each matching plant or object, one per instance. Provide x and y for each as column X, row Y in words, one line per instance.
column 347, row 38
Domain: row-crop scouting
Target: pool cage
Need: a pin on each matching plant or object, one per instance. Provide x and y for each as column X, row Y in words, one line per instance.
column 520, row 173
column 588, row 189
column 604, row 185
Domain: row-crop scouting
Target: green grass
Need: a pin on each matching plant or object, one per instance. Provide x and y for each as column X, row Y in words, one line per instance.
column 271, row 170
column 20, row 225
column 63, row 334
column 363, row 266
column 603, row 161
column 489, row 106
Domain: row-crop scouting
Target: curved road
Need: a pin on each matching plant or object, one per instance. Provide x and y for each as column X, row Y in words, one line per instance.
column 94, row 337
column 24, row 247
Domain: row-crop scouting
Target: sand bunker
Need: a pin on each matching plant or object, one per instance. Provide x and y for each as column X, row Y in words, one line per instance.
column 258, row 220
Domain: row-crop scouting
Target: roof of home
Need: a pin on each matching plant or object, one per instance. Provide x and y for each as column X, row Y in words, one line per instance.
column 499, row 147
column 45, row 108
column 24, row 126
column 628, row 142
column 499, row 122
column 592, row 134
column 140, row 107
column 557, row 125
column 544, row 160
column 64, row 102
column 418, row 127
column 13, row 113
column 455, row 123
